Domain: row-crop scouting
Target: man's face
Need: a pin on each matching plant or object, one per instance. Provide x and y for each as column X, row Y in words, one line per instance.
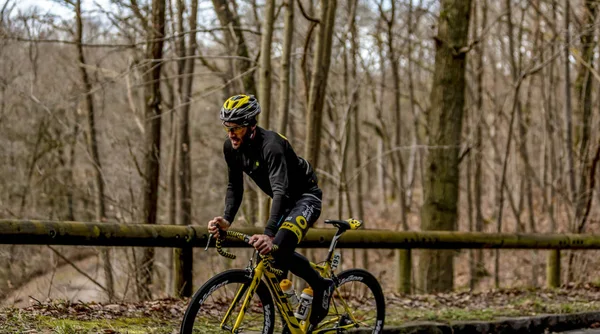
column 236, row 133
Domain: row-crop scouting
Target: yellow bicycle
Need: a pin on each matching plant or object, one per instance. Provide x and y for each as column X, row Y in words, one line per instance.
column 240, row 301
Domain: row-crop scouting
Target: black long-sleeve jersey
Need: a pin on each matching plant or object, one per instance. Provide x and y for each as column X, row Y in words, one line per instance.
column 271, row 162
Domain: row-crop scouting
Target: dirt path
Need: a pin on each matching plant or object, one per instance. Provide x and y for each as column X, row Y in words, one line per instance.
column 63, row 283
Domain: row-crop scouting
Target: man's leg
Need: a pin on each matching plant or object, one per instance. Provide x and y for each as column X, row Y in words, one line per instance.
column 293, row 229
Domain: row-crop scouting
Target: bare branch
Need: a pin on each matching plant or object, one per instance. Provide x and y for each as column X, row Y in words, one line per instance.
column 138, row 13
column 5, row 9
column 125, row 45
column 479, row 38
column 208, row 92
column 311, row 19
column 587, row 65
column 77, row 268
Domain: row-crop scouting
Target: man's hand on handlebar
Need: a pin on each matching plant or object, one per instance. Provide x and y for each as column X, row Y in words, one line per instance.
column 216, row 224
column 262, row 243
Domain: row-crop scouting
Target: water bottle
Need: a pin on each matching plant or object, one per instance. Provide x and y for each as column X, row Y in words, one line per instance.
column 288, row 290
column 305, row 301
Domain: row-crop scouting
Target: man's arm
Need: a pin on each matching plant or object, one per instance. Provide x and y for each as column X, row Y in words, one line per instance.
column 278, row 176
column 235, row 188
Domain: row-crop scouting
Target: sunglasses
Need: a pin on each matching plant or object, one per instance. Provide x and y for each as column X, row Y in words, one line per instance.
column 234, row 129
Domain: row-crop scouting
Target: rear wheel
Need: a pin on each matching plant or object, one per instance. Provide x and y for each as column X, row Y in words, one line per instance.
column 208, row 307
column 357, row 302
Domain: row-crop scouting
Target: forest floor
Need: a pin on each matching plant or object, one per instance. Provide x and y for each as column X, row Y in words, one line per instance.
column 163, row 316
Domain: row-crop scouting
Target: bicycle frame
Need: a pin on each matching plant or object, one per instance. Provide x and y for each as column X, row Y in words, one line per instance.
column 295, row 326
column 279, row 298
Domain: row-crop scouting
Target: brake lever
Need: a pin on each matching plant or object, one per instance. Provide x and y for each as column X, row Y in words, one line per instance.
column 222, row 235
column 208, row 242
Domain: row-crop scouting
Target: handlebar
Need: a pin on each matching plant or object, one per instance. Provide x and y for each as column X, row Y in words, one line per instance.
column 245, row 238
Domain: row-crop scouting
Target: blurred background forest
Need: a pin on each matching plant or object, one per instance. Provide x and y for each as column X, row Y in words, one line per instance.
column 109, row 112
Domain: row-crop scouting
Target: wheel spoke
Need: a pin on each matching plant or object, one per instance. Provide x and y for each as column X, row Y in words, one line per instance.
column 217, row 305
column 356, row 303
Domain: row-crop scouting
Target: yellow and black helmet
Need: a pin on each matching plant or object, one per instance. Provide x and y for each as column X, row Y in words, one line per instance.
column 240, row 109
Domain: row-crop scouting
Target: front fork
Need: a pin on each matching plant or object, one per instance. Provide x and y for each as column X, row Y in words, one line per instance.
column 248, row 292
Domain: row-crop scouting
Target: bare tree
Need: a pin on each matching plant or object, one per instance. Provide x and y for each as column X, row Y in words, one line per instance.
column 93, row 146
column 231, row 22
column 397, row 160
column 439, row 211
column 264, row 78
column 583, row 91
column 286, row 67
column 318, row 83
column 568, row 107
column 244, row 71
column 264, row 73
column 413, row 21
column 477, row 267
column 583, row 116
column 152, row 107
column 183, row 259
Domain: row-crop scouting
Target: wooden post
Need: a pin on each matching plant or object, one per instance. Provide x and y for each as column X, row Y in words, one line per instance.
column 404, row 270
column 553, row 269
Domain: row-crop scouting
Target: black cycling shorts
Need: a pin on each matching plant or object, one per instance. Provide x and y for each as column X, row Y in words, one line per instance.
column 291, row 230
column 303, row 215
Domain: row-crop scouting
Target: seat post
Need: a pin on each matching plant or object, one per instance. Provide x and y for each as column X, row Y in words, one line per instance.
column 334, row 242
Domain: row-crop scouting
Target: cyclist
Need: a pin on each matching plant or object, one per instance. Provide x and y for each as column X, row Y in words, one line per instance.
column 269, row 159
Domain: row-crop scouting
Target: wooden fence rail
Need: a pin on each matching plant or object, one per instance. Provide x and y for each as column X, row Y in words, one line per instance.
column 37, row 232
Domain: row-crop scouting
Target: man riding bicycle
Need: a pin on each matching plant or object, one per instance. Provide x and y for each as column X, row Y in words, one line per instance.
column 269, row 159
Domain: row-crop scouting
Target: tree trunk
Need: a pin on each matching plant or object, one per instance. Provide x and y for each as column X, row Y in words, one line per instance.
column 183, row 257
column 439, row 211
column 318, row 85
column 355, row 112
column 264, row 73
column 398, row 166
column 93, row 147
column 178, row 46
column 583, row 114
column 414, row 152
column 522, row 122
column 549, row 166
column 264, row 96
column 172, row 201
column 478, row 268
column 71, row 169
column 569, row 123
column 244, row 67
column 568, row 110
column 381, row 159
column 286, row 68
column 152, row 111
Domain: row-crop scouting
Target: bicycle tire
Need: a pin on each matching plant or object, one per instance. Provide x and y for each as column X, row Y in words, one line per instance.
column 204, row 303
column 361, row 308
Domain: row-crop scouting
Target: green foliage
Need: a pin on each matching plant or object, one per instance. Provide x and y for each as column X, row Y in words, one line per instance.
column 19, row 322
column 65, row 328
column 121, row 325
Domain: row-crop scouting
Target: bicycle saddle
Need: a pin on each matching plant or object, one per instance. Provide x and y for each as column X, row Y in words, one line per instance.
column 350, row 224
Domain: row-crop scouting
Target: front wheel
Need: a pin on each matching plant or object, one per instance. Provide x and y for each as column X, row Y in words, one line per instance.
column 208, row 307
column 357, row 302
